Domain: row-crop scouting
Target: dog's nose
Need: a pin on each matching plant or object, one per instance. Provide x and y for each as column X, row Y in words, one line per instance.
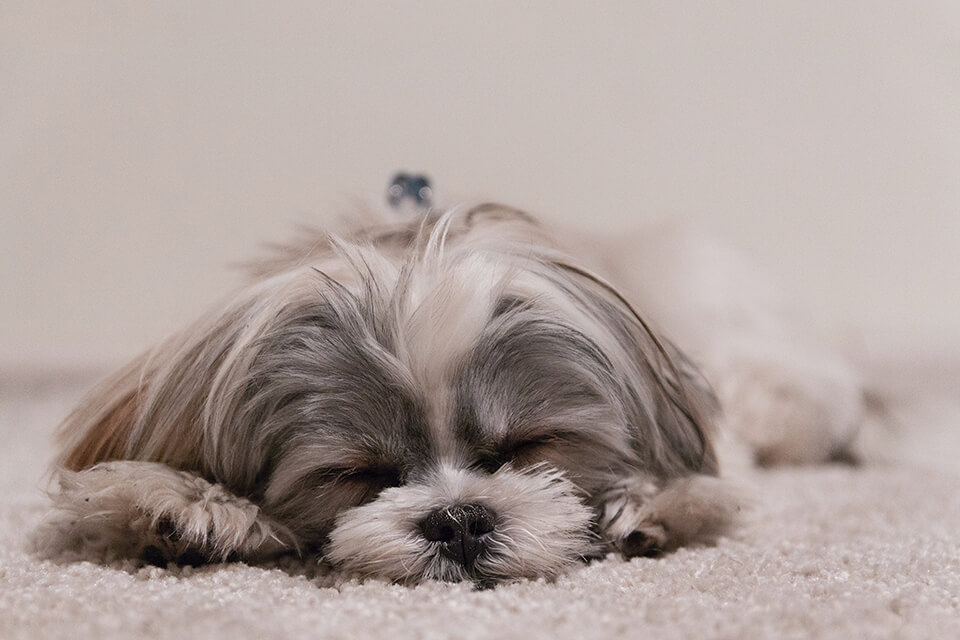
column 461, row 530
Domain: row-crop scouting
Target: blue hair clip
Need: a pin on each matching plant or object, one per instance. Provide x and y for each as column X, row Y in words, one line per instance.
column 414, row 188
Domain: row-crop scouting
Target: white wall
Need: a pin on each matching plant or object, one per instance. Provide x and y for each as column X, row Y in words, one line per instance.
column 145, row 146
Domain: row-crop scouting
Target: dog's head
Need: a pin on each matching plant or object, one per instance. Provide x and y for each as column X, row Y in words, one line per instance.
column 447, row 399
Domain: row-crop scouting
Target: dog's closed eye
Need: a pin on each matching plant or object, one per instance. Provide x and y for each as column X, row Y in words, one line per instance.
column 372, row 477
column 518, row 452
column 529, row 448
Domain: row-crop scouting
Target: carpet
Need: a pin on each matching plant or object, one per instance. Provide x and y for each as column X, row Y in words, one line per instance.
column 830, row 552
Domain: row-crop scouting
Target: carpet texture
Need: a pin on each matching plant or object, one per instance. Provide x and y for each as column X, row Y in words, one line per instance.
column 832, row 552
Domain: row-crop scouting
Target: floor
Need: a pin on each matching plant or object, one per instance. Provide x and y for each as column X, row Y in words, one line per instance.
column 832, row 552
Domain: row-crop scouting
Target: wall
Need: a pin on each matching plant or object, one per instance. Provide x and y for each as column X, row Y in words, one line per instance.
column 143, row 146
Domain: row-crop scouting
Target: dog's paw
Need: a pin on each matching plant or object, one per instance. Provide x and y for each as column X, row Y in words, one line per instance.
column 154, row 513
column 640, row 518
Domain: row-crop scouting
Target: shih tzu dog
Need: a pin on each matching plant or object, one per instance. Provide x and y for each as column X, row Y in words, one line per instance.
column 450, row 396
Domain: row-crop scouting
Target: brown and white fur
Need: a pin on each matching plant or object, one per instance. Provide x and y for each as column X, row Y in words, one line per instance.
column 452, row 396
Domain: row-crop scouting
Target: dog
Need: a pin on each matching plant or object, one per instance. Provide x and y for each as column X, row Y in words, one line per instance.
column 460, row 395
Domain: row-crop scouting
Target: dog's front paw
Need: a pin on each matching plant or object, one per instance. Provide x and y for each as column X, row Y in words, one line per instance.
column 641, row 518
column 643, row 543
column 154, row 513
column 627, row 523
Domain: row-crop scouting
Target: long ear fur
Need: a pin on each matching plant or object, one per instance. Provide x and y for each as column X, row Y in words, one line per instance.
column 99, row 428
column 152, row 409
column 176, row 404
column 685, row 407
column 149, row 410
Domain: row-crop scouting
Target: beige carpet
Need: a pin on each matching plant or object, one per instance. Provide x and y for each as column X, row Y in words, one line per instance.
column 831, row 552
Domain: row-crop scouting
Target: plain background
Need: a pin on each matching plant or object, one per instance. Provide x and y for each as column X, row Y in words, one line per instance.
column 145, row 146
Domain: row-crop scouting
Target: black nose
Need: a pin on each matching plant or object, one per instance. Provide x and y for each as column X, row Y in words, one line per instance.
column 461, row 530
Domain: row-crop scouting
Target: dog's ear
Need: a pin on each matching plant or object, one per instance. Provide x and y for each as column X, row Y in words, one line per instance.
column 671, row 407
column 152, row 409
column 99, row 428
column 149, row 410
column 687, row 407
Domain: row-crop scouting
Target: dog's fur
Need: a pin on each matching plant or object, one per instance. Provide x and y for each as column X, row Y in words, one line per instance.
column 361, row 383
